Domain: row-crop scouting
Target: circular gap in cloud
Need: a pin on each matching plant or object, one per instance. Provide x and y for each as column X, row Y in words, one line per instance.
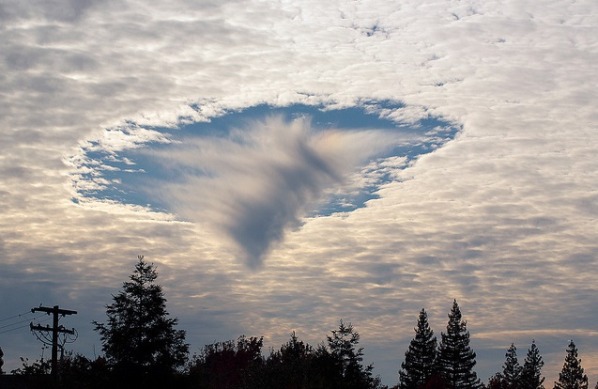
column 258, row 171
column 126, row 164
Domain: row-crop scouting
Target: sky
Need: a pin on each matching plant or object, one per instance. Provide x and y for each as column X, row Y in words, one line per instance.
column 288, row 164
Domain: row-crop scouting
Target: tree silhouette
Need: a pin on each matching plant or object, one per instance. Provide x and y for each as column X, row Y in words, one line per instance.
column 511, row 373
column 420, row 358
column 456, row 359
column 510, row 377
column 139, row 338
column 228, row 365
column 292, row 367
column 341, row 362
column 572, row 376
column 531, row 374
column 496, row 382
column 35, row 368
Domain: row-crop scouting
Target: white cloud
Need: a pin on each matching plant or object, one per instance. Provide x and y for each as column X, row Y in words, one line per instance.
column 259, row 181
column 503, row 218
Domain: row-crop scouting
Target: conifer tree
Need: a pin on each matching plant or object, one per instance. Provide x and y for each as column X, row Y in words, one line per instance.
column 139, row 338
column 496, row 382
column 572, row 376
column 531, row 375
column 348, row 357
column 292, row 366
column 511, row 373
column 456, row 359
column 420, row 357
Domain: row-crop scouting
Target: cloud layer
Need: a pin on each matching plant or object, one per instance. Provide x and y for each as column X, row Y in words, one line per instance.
column 260, row 181
column 256, row 173
column 502, row 218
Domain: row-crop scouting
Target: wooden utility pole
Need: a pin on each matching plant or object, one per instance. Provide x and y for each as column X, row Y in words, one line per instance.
column 55, row 329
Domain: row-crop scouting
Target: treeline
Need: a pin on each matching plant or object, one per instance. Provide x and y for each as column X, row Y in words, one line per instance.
column 143, row 349
column 231, row 364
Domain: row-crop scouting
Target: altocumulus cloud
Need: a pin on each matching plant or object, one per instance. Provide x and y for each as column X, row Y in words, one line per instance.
column 260, row 180
column 504, row 218
column 252, row 175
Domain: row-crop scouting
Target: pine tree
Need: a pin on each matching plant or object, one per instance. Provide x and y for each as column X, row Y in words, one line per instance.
column 572, row 376
column 456, row 359
column 139, row 339
column 511, row 373
column 291, row 367
column 497, row 381
column 420, row 357
column 531, row 375
column 348, row 359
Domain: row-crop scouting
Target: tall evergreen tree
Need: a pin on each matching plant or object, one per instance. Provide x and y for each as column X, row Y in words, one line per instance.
column 572, row 376
column 347, row 359
column 420, row 357
column 292, row 367
column 497, row 381
column 139, row 338
column 456, row 359
column 511, row 373
column 531, row 374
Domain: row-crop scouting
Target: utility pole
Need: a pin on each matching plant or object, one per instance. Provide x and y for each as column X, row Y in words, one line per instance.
column 55, row 329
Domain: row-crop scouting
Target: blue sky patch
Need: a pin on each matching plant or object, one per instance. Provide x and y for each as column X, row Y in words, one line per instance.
column 124, row 175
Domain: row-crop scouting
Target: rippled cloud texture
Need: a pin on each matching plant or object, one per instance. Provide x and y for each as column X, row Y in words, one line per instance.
column 253, row 175
column 258, row 183
column 502, row 217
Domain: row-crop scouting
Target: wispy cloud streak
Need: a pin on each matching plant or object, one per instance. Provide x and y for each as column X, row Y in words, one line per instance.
column 259, row 181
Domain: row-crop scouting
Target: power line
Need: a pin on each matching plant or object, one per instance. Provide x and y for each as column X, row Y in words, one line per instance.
column 15, row 323
column 14, row 316
column 44, row 339
column 13, row 329
column 55, row 330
